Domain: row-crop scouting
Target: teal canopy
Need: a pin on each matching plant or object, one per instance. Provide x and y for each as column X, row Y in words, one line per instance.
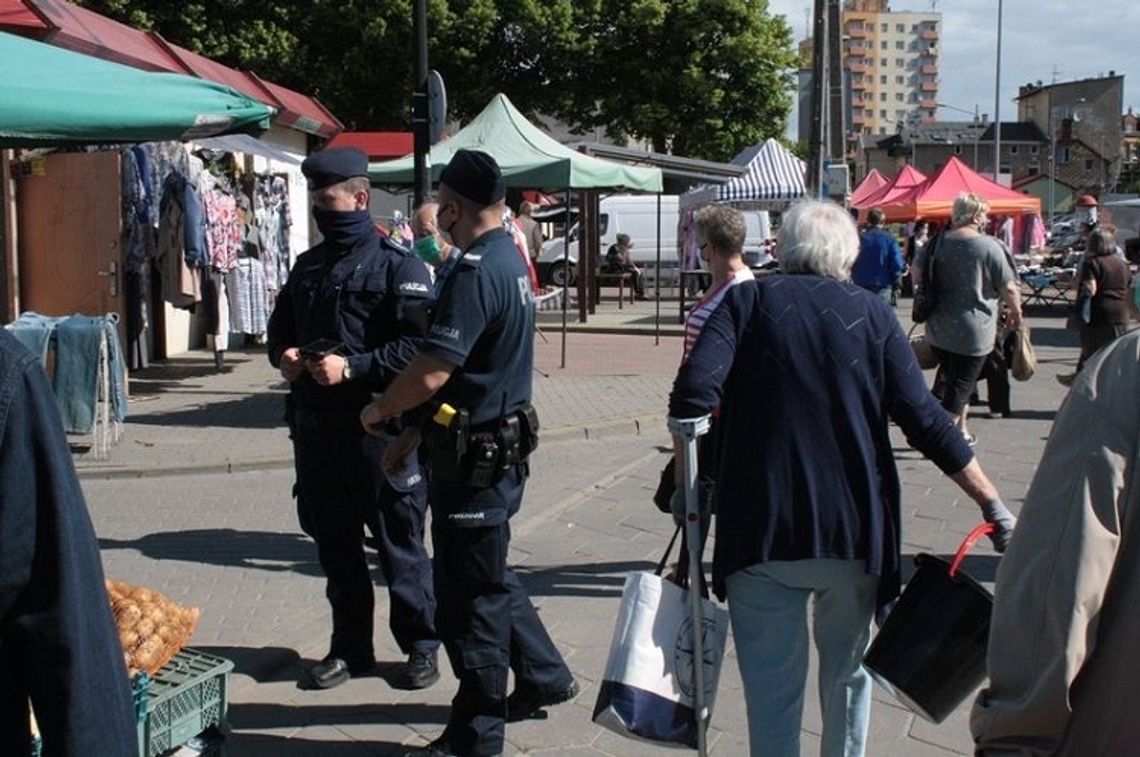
column 528, row 157
column 51, row 96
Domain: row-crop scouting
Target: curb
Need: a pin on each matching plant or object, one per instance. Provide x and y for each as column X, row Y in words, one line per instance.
column 633, row 426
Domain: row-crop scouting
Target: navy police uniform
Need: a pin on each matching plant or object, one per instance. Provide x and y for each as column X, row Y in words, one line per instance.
column 484, row 324
column 356, row 290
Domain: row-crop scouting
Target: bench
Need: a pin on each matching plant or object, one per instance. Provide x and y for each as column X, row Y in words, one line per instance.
column 622, row 280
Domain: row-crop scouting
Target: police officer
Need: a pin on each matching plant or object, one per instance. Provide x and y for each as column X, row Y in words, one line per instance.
column 339, row 332
column 476, row 363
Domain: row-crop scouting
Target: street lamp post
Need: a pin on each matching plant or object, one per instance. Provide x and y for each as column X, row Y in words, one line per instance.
column 997, row 98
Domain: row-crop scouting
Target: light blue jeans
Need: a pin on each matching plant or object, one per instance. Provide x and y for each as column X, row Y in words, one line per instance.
column 768, row 606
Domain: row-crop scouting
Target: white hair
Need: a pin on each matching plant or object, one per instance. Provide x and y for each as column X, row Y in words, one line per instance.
column 818, row 238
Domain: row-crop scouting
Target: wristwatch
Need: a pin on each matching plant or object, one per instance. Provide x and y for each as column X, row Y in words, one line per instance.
column 346, row 374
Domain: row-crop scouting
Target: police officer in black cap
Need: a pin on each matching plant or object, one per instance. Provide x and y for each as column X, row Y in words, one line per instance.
column 339, row 332
column 472, row 385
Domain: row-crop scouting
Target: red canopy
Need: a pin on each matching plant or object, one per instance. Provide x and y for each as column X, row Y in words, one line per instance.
column 935, row 197
column 902, row 184
column 870, row 183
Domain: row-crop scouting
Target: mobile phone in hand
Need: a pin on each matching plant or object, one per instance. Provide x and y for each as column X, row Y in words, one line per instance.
column 319, row 348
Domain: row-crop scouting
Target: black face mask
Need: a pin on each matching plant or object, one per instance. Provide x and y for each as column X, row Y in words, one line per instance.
column 343, row 228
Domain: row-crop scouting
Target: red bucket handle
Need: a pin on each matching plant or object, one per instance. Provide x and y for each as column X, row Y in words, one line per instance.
column 971, row 539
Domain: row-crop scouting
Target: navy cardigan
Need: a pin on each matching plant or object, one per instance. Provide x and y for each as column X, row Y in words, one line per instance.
column 808, row 372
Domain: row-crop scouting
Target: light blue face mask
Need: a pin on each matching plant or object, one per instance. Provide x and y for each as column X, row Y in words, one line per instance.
column 428, row 250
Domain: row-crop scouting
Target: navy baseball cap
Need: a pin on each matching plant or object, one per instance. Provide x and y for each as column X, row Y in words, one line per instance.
column 334, row 165
column 474, row 175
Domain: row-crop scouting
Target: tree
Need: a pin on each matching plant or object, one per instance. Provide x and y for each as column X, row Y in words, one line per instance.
column 696, row 77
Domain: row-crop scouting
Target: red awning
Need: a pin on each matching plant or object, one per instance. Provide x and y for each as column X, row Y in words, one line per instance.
column 74, row 28
column 84, row 31
column 301, row 112
column 378, row 145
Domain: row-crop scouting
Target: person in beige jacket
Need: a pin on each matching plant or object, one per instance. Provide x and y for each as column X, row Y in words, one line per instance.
column 1063, row 652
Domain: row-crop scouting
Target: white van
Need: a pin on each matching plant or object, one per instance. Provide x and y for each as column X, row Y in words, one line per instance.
column 636, row 215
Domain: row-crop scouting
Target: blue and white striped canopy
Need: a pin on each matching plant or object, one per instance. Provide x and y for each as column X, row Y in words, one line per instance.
column 774, row 174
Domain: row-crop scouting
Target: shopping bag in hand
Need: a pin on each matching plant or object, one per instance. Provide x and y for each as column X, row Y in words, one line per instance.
column 647, row 690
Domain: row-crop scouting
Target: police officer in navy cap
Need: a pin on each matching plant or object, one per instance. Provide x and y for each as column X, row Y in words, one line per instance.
column 471, row 384
column 339, row 332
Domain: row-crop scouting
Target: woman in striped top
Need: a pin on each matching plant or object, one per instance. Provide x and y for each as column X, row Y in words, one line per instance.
column 720, row 233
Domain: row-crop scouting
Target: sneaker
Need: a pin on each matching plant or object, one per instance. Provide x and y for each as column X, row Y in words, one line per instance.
column 1066, row 379
column 525, row 703
column 421, row 670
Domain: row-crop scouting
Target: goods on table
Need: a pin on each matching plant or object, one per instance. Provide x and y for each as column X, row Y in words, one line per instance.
column 152, row 628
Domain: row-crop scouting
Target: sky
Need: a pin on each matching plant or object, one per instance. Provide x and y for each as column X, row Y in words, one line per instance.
column 1077, row 40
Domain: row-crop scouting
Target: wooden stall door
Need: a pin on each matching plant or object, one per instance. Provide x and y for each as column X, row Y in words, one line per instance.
column 69, row 230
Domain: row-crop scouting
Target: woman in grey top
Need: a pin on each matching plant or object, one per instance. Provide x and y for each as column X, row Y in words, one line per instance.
column 971, row 274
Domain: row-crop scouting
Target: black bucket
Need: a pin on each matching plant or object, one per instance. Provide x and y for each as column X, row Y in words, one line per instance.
column 931, row 651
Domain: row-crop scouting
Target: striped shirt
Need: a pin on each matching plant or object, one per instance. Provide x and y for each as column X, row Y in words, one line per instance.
column 703, row 309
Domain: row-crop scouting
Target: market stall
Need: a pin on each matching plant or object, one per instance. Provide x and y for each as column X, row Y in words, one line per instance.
column 870, row 184
column 529, row 159
column 900, row 185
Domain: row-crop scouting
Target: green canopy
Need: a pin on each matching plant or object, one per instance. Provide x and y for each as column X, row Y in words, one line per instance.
column 51, row 96
column 528, row 157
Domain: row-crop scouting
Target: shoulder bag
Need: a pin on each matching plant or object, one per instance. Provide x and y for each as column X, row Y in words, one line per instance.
column 924, row 298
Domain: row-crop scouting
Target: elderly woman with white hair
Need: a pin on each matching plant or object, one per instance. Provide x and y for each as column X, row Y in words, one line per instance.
column 809, row 370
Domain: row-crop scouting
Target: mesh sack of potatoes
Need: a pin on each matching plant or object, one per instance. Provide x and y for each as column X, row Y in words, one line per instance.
column 152, row 628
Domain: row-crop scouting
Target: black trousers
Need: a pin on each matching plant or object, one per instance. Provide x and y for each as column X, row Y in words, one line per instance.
column 341, row 489
column 488, row 624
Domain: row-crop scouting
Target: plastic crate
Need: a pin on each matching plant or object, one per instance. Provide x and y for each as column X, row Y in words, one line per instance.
column 185, row 698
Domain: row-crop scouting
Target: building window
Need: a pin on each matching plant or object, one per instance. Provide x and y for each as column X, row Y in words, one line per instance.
column 882, row 61
column 1088, row 164
column 882, row 97
column 1063, row 155
column 900, row 97
column 900, row 45
column 1033, row 149
column 900, row 28
column 913, row 28
column 900, row 79
column 882, row 114
column 884, row 28
column 1013, row 149
column 1005, row 168
column 900, row 63
column 957, row 149
column 869, row 113
column 883, row 79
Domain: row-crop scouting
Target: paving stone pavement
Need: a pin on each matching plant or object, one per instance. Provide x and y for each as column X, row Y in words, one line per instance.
column 195, row 502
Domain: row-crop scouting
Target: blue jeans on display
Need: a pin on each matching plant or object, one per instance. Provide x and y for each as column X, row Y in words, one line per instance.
column 767, row 603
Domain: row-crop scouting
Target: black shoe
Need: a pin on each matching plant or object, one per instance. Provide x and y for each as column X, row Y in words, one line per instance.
column 421, row 670
column 524, row 703
column 333, row 671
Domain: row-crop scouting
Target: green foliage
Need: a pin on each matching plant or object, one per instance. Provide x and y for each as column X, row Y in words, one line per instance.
column 703, row 78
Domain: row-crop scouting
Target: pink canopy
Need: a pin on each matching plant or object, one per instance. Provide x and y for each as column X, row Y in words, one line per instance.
column 870, row 183
column 935, row 197
column 903, row 182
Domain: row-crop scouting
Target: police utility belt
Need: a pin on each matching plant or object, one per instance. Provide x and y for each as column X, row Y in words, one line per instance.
column 478, row 455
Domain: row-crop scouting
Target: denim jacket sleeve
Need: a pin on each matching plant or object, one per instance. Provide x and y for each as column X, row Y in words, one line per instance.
column 57, row 636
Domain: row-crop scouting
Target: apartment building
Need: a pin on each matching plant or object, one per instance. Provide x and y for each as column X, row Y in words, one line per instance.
column 892, row 58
